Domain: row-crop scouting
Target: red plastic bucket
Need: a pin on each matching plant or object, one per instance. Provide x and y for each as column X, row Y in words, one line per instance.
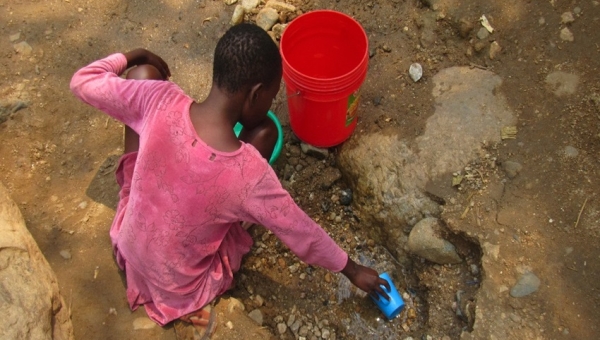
column 325, row 58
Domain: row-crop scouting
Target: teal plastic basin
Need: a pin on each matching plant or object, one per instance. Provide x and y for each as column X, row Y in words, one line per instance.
column 278, row 145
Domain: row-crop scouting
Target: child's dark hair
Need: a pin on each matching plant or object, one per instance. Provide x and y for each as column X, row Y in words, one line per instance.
column 245, row 55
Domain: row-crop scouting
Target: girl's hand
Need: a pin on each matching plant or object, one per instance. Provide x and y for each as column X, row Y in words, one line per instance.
column 366, row 279
column 142, row 56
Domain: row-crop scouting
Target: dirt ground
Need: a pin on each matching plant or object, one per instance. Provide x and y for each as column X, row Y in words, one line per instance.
column 58, row 155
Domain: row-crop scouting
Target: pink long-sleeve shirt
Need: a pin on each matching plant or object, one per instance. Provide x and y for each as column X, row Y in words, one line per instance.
column 177, row 233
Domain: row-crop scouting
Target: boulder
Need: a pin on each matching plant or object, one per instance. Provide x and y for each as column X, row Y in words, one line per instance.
column 32, row 306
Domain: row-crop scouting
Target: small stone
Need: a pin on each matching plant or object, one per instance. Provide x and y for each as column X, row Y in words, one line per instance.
column 291, row 319
column 514, row 317
column 479, row 46
column 281, row 262
column 483, row 34
column 474, row 269
column 542, row 21
column 303, row 331
column 386, row 48
column 257, row 316
column 238, row 15
column 66, row 254
column 294, row 268
column 280, row 6
column 577, row 10
column 281, row 328
column 229, row 324
column 338, row 219
column 328, row 277
column 528, row 283
column 313, row 151
column 346, row 197
column 235, row 304
column 325, row 333
column 571, row 152
column 302, row 276
column 495, row 49
column 295, row 326
column 82, row 205
column 415, row 71
column 143, row 323
column 567, row 18
column 266, row 18
column 14, row 37
column 566, row 34
column 424, row 240
column 23, row 48
column 249, row 5
column 259, row 300
column 465, row 27
column 512, row 169
column 372, row 52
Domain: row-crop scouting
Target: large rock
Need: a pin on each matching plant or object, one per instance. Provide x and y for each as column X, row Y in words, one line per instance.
column 389, row 174
column 32, row 307
column 425, row 240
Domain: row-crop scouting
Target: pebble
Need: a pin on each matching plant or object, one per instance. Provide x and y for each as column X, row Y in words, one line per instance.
column 577, row 10
column 257, row 316
column 567, row 18
column 249, row 5
column 291, row 319
column 281, row 328
column 281, row 262
column 82, row 205
column 325, row 334
column 266, row 18
column 386, row 48
column 528, row 283
column 66, row 254
column 238, row 15
column 295, row 326
column 566, row 34
column 318, row 153
column 346, row 197
column 259, row 300
column 229, row 324
column 474, row 269
column 541, row 21
column 483, row 34
column 143, row 323
column 511, row 168
column 14, row 37
column 328, row 277
column 23, row 48
column 495, row 49
column 303, row 331
column 415, row 71
column 514, row 317
column 571, row 151
column 280, row 6
column 294, row 268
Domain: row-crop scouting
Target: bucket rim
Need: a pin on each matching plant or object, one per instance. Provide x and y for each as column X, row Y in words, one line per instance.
column 364, row 59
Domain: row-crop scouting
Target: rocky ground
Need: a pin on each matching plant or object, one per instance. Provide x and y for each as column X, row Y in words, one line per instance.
column 511, row 184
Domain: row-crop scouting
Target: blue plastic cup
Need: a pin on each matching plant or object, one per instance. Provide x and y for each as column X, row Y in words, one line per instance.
column 392, row 307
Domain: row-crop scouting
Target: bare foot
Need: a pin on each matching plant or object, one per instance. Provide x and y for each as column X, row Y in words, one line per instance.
column 203, row 322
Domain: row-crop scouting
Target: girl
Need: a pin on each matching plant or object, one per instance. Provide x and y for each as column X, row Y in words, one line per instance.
column 187, row 181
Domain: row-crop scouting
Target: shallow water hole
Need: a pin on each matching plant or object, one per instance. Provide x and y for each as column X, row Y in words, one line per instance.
column 439, row 299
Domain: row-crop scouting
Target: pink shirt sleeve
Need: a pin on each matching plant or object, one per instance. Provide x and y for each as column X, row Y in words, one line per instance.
column 273, row 207
column 99, row 84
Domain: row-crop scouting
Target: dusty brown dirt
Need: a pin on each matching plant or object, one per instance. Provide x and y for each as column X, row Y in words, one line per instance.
column 57, row 157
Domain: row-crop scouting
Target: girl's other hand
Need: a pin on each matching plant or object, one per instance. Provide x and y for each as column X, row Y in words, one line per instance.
column 141, row 56
column 366, row 279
